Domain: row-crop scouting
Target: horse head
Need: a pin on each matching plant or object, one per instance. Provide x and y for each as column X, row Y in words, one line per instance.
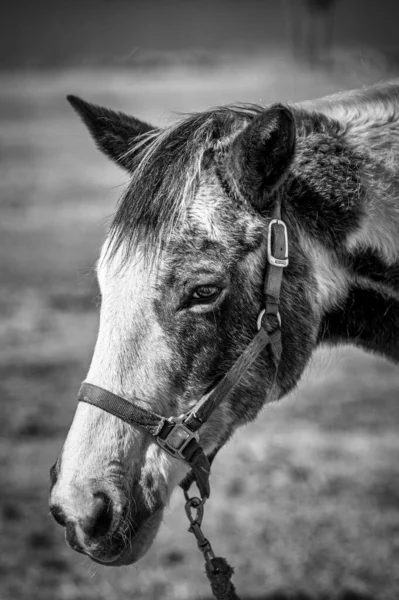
column 181, row 276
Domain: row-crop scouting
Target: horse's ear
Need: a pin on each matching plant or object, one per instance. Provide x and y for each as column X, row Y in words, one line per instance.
column 113, row 132
column 261, row 154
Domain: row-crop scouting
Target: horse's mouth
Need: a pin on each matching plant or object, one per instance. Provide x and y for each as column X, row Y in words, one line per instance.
column 128, row 548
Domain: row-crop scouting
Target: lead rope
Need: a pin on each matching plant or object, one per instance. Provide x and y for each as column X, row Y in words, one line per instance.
column 218, row 570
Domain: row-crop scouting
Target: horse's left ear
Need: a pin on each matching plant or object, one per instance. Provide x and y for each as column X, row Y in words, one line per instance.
column 260, row 155
column 114, row 132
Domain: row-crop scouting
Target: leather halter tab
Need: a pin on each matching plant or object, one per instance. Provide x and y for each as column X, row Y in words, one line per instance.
column 178, row 436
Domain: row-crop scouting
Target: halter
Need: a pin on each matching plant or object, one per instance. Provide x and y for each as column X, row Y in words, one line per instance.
column 179, row 436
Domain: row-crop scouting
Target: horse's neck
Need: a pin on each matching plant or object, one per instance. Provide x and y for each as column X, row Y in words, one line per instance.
column 367, row 318
column 360, row 302
column 358, row 286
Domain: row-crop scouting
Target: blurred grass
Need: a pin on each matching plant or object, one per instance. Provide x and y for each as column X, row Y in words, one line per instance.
column 305, row 501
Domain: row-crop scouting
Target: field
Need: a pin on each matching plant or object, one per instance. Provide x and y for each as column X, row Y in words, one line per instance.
column 305, row 501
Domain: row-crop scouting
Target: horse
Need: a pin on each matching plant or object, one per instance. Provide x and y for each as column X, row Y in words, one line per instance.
column 181, row 277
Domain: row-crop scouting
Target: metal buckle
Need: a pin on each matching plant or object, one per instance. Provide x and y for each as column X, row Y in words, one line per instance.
column 178, row 438
column 273, row 260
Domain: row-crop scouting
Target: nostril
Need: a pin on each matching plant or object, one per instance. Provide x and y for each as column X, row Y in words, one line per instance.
column 98, row 523
column 72, row 539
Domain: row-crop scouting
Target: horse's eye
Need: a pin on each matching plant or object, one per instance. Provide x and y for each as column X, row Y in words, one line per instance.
column 206, row 292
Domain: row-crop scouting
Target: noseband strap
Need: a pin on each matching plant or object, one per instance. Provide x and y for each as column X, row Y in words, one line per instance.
column 119, row 407
column 179, row 435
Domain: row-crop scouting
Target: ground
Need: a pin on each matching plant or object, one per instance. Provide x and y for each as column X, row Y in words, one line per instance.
column 305, row 501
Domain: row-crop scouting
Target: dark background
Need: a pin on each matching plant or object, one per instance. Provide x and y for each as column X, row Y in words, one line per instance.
column 47, row 32
column 305, row 502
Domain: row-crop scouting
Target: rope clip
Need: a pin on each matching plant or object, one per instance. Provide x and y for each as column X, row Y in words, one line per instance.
column 197, row 505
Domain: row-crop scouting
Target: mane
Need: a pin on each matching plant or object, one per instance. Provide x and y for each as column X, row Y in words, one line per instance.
column 167, row 169
column 373, row 105
column 168, row 162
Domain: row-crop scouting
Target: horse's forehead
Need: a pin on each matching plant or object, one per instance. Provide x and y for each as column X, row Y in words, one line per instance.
column 208, row 206
column 218, row 217
column 117, row 275
column 212, row 222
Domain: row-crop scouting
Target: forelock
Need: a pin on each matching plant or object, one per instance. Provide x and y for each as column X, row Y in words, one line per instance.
column 168, row 166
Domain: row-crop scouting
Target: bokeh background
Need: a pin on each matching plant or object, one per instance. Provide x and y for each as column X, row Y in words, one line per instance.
column 305, row 501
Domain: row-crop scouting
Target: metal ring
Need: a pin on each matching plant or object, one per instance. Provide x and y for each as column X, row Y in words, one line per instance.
column 195, row 504
column 261, row 315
